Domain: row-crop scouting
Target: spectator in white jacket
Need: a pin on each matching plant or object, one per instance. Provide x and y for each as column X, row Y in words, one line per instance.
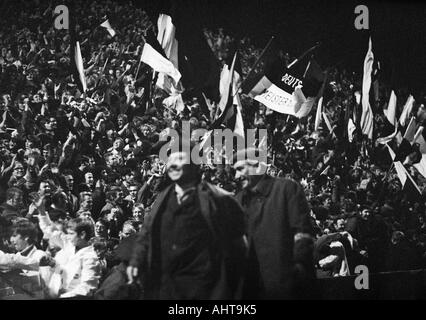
column 75, row 270
column 27, row 256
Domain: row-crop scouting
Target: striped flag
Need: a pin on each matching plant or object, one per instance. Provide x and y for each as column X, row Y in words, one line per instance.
column 367, row 114
column 158, row 62
column 167, row 39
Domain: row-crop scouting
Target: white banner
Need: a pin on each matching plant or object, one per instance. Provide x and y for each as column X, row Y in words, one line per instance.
column 278, row 100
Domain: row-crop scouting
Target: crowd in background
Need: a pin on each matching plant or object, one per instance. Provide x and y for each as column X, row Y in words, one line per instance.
column 91, row 161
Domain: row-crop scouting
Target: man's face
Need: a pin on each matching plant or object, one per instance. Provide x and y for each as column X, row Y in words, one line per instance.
column 130, row 177
column 51, row 124
column 365, row 214
column 133, row 190
column 69, row 180
column 44, row 189
column 128, row 230
column 18, row 242
column 340, row 225
column 244, row 172
column 137, row 213
column 29, row 144
column 74, row 238
column 100, row 229
column 46, row 154
column 18, row 171
column 118, row 144
column 120, row 123
column 89, row 178
column 88, row 202
column 176, row 165
column 16, row 200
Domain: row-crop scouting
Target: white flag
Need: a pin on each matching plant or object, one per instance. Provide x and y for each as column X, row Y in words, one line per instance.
column 318, row 114
column 367, row 113
column 351, row 129
column 391, row 110
column 157, row 62
column 407, row 110
column 166, row 38
column 107, row 26
column 79, row 64
column 239, row 123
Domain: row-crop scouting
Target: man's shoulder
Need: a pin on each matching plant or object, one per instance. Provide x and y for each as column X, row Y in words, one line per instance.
column 215, row 191
column 89, row 253
column 282, row 183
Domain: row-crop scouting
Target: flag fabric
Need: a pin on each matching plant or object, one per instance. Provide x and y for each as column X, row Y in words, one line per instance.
column 158, row 62
column 79, row 64
column 367, row 114
column 167, row 39
column 389, row 138
column 408, row 107
column 391, row 152
column 420, row 140
column 391, row 110
column 409, row 186
column 174, row 102
column 286, row 91
column 411, row 130
column 226, row 103
column 327, row 122
column 108, row 27
column 199, row 67
column 351, row 129
column 400, row 170
column 223, row 81
column 318, row 115
column 239, row 123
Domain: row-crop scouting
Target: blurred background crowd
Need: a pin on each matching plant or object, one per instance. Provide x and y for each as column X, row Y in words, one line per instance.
column 94, row 157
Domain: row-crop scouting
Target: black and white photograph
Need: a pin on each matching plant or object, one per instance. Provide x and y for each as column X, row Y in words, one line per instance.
column 229, row 152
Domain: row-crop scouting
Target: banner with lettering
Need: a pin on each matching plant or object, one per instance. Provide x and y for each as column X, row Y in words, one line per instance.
column 285, row 91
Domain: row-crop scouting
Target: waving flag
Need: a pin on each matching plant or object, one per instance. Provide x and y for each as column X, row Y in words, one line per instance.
column 286, row 91
column 367, row 114
column 79, row 65
column 408, row 107
column 108, row 27
column 391, row 110
column 156, row 61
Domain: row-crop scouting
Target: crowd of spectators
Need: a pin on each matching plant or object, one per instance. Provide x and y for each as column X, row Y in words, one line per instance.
column 89, row 164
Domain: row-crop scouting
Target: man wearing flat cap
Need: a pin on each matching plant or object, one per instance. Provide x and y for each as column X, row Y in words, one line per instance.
column 278, row 229
column 192, row 244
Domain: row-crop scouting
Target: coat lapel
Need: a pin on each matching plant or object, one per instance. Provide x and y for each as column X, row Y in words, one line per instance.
column 158, row 202
column 205, row 204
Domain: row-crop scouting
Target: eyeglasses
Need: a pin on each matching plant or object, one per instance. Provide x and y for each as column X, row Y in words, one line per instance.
column 20, row 169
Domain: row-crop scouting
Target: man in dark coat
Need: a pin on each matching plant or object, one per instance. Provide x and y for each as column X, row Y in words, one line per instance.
column 278, row 230
column 192, row 245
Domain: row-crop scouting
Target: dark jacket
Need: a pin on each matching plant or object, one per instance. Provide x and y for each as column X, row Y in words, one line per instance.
column 279, row 211
column 225, row 220
column 115, row 286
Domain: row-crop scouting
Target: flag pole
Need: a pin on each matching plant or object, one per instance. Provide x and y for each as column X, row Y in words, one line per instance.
column 255, row 64
column 137, row 72
column 303, row 55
